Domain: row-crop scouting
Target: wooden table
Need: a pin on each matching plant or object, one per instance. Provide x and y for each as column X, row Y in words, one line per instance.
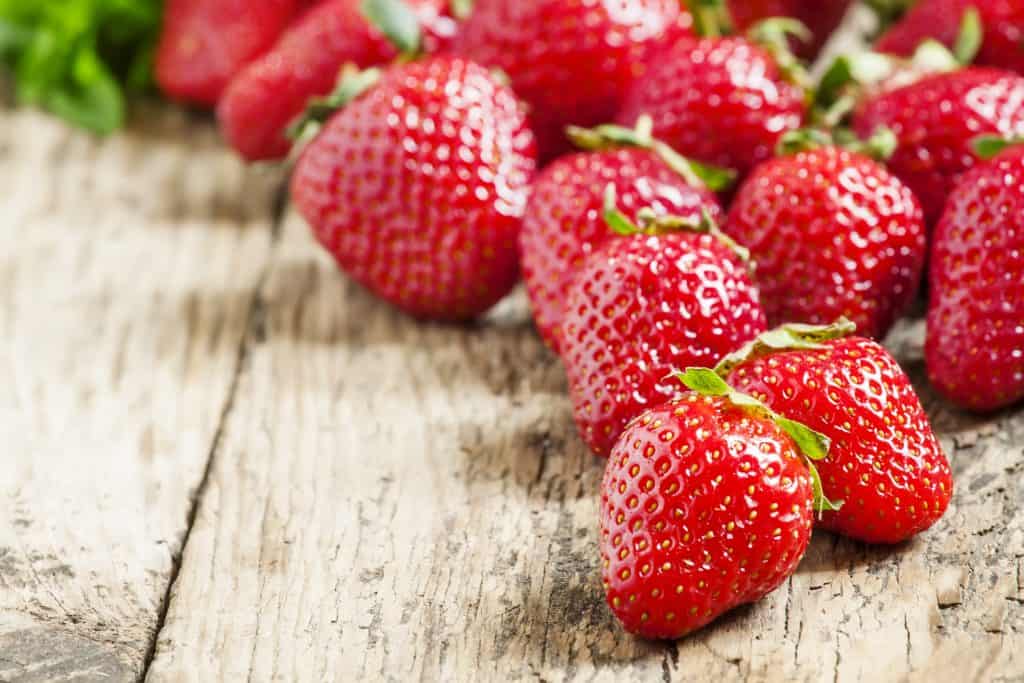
column 222, row 460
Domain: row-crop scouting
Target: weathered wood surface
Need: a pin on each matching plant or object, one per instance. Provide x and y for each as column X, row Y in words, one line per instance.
column 376, row 498
column 127, row 273
column 402, row 501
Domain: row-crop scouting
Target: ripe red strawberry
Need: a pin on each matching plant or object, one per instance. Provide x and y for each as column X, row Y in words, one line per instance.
column 705, row 506
column 270, row 93
column 643, row 306
column 564, row 221
column 722, row 101
column 206, row 42
column 975, row 344
column 833, row 234
column 821, row 17
column 935, row 120
column 418, row 187
column 884, row 464
column 571, row 61
column 1003, row 22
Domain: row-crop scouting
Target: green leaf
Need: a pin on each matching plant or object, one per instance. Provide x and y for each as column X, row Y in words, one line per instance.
column 821, row 502
column 970, row 38
column 616, row 220
column 77, row 57
column 812, row 444
column 705, row 382
column 791, row 337
column 352, row 83
column 396, row 20
column 991, row 146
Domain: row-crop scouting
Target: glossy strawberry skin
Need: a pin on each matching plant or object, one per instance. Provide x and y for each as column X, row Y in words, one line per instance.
column 822, row 17
column 833, row 234
column 204, row 43
column 641, row 308
column 564, row 220
column 1003, row 22
column 418, row 188
column 270, row 93
column 704, row 507
column 936, row 119
column 720, row 101
column 975, row 344
column 570, row 61
column 884, row 463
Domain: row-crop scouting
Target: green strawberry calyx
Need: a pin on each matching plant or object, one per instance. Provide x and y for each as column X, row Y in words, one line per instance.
column 352, row 84
column 791, row 337
column 880, row 146
column 610, row 136
column 397, row 20
column 990, row 146
column 461, row 9
column 711, row 18
column 774, row 34
column 648, row 222
column 813, row 445
column 849, row 78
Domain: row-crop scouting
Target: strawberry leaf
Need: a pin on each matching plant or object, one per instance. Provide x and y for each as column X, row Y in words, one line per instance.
column 396, row 20
column 970, row 38
column 991, row 146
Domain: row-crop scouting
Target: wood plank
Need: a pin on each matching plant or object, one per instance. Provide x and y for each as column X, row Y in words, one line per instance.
column 127, row 276
column 403, row 501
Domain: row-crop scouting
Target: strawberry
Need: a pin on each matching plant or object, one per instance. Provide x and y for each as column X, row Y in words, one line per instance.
column 722, row 101
column 204, row 43
column 270, row 93
column 571, row 61
column 833, row 234
column 669, row 296
column 975, row 343
column 822, row 17
column 941, row 20
column 935, row 120
column 707, row 503
column 418, row 187
column 885, row 463
column 564, row 222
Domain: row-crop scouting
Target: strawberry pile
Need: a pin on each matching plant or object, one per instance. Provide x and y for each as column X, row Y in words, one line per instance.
column 712, row 241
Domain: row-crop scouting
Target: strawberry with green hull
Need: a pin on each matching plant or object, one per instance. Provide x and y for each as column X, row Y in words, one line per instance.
column 833, row 234
column 975, row 344
column 936, row 118
column 707, row 503
column 564, row 221
column 273, row 91
column 418, row 185
column 723, row 101
column 571, row 61
column 204, row 43
column 885, row 463
column 670, row 295
column 941, row 20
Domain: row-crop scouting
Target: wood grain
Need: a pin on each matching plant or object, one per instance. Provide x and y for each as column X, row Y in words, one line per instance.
column 397, row 501
column 126, row 280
